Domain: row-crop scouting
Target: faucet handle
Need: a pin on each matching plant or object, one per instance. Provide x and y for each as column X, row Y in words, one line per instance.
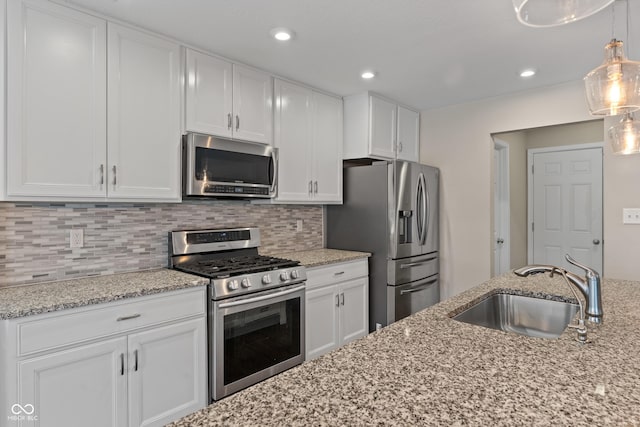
column 590, row 271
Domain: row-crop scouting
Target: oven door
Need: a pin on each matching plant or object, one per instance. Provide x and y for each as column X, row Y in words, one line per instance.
column 255, row 337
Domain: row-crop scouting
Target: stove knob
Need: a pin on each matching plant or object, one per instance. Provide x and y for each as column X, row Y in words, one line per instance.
column 232, row 285
column 284, row 276
column 245, row 283
column 294, row 274
column 266, row 279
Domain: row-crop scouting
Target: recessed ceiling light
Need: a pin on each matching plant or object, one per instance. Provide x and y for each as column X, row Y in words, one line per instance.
column 368, row 75
column 281, row 34
column 528, row 73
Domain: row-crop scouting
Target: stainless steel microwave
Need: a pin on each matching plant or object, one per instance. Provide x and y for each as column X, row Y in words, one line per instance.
column 219, row 167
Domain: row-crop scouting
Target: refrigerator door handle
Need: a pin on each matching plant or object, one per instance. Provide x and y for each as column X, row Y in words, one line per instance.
column 422, row 207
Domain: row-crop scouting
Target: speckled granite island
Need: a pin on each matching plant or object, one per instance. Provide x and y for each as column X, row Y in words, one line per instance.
column 429, row 369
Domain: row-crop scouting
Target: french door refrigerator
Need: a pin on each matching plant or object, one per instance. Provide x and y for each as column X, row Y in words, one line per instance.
column 390, row 209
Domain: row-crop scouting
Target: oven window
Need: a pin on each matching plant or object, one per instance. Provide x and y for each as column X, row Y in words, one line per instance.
column 260, row 338
column 232, row 167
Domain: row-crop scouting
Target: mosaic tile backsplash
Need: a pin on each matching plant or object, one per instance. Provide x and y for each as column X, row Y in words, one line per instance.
column 34, row 238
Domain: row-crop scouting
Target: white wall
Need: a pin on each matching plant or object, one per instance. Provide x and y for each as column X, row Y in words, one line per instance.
column 457, row 139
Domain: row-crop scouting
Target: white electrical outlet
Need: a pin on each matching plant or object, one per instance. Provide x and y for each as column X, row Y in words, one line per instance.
column 76, row 238
column 631, row 216
column 299, row 225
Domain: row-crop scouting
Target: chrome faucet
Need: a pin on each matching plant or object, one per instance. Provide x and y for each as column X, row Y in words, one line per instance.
column 589, row 286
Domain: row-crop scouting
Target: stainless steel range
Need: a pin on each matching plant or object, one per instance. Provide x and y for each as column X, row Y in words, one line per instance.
column 256, row 305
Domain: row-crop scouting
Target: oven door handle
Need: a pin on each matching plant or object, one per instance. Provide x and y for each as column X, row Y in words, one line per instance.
column 262, row 298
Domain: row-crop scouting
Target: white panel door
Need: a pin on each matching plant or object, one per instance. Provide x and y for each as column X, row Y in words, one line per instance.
column 567, row 207
column 167, row 373
column 382, row 127
column 408, row 135
column 354, row 318
column 292, row 139
column 56, row 99
column 252, row 105
column 209, row 101
column 327, row 148
column 79, row 387
column 143, row 115
column 321, row 321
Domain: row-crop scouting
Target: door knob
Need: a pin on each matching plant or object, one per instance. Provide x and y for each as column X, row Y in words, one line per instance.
column 596, row 241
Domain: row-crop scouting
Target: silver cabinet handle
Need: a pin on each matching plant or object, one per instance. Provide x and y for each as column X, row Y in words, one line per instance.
column 315, row 187
column 400, row 146
column 596, row 241
column 338, row 273
column 237, row 122
column 229, row 121
column 135, row 360
column 114, row 177
column 121, row 363
column 310, row 187
column 133, row 316
column 101, row 175
column 342, row 298
column 337, row 300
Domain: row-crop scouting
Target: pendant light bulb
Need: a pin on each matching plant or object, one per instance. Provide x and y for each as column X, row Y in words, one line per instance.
column 625, row 136
column 614, row 87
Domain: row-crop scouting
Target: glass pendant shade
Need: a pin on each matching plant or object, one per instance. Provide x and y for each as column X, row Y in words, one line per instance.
column 625, row 136
column 550, row 13
column 614, row 87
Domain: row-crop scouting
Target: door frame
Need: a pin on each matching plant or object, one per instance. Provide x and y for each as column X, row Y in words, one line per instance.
column 530, row 153
column 502, row 210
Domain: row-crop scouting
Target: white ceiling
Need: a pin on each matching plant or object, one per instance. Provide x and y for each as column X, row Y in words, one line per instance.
column 427, row 53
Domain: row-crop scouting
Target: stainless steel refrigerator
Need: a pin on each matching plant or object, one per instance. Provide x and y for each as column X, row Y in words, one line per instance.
column 391, row 210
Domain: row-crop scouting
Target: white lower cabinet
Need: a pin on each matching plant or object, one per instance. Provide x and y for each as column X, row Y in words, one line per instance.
column 141, row 368
column 336, row 305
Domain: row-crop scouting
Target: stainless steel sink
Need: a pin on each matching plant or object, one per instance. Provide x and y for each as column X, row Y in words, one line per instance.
column 534, row 317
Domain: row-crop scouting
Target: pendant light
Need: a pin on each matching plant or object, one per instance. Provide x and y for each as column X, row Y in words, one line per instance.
column 550, row 13
column 625, row 136
column 613, row 88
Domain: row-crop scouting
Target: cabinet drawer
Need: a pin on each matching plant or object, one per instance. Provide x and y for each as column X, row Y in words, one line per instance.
column 72, row 326
column 335, row 273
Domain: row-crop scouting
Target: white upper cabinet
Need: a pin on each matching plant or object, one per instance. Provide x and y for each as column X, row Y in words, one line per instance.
column 143, row 116
column 209, row 103
column 327, row 148
column 308, row 135
column 379, row 128
column 408, row 135
column 56, row 98
column 227, row 99
column 63, row 97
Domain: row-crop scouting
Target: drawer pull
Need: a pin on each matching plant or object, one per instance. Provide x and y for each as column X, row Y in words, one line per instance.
column 338, row 273
column 121, row 363
column 133, row 316
column 135, row 363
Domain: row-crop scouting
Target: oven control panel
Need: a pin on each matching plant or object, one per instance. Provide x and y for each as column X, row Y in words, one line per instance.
column 254, row 282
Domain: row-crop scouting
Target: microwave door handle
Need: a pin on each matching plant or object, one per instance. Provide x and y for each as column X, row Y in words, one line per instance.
column 274, row 169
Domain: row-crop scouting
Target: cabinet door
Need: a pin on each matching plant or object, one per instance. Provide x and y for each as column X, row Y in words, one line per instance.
column 382, row 127
column 292, row 139
column 327, row 148
column 408, row 135
column 321, row 322
column 208, row 98
column 354, row 317
column 143, row 116
column 56, row 101
column 252, row 105
column 83, row 386
column 167, row 373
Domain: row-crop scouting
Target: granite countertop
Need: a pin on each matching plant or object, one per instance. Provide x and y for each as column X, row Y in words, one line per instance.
column 429, row 369
column 26, row 300
column 316, row 257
